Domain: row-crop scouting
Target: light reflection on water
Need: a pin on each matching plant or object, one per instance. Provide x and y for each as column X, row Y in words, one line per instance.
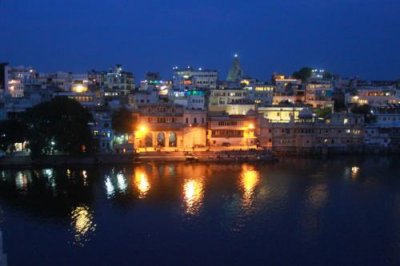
column 249, row 179
column 142, row 183
column 83, row 225
column 193, row 194
column 115, row 183
column 241, row 202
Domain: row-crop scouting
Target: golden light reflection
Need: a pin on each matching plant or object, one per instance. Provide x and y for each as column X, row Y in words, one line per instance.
column 193, row 193
column 82, row 223
column 142, row 183
column 249, row 181
column 355, row 171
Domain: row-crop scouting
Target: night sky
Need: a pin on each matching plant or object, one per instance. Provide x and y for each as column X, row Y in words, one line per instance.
column 350, row 37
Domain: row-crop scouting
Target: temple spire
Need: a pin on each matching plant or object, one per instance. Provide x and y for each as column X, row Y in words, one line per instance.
column 235, row 73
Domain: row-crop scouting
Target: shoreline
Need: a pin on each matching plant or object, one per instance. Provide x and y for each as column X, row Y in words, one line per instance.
column 168, row 157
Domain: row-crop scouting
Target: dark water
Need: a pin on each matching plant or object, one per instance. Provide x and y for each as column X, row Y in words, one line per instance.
column 342, row 211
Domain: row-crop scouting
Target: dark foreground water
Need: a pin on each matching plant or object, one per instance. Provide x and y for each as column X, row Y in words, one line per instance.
column 342, row 211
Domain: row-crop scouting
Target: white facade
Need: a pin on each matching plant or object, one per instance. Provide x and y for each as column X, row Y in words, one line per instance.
column 198, row 79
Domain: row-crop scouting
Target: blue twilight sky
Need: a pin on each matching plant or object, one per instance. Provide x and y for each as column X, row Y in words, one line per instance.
column 350, row 37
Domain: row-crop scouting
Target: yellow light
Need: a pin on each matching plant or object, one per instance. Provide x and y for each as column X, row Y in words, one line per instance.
column 354, row 171
column 79, row 88
column 193, row 190
column 142, row 183
column 249, row 181
column 141, row 131
column 251, row 126
column 82, row 222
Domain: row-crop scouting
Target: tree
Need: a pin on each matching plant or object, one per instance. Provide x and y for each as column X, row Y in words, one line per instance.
column 61, row 124
column 304, row 73
column 122, row 121
column 364, row 110
column 12, row 131
column 323, row 112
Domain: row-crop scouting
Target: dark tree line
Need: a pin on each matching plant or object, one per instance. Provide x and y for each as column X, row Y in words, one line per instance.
column 61, row 124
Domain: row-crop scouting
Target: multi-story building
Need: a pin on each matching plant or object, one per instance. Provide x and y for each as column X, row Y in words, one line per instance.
column 374, row 96
column 165, row 126
column 220, row 100
column 261, row 94
column 102, row 130
column 192, row 99
column 286, row 85
column 142, row 98
column 112, row 83
column 340, row 133
column 189, row 78
column 319, row 95
column 18, row 79
column 284, row 114
column 238, row 131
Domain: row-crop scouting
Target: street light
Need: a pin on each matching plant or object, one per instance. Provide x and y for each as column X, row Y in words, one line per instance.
column 143, row 129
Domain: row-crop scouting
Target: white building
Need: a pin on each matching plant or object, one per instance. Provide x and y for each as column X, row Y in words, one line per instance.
column 189, row 78
column 17, row 79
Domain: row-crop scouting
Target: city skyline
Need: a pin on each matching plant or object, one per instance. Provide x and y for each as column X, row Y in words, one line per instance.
column 345, row 37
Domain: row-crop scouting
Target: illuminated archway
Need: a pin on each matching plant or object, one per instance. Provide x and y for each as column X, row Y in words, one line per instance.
column 149, row 140
column 161, row 139
column 172, row 139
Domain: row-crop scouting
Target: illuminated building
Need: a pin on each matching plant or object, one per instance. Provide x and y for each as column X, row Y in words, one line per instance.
column 86, row 99
column 233, row 101
column 192, row 99
column 259, row 93
column 170, row 127
column 341, row 132
column 113, row 83
column 189, row 78
column 319, row 95
column 102, row 130
column 286, row 85
column 232, row 130
column 375, row 96
column 18, row 79
column 282, row 114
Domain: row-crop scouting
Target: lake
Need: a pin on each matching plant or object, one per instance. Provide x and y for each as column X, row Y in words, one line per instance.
column 334, row 211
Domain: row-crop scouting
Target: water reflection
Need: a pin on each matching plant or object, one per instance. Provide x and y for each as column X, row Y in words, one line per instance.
column 85, row 178
column 110, row 190
column 193, row 194
column 21, row 181
column 318, row 195
column 142, row 183
column 115, row 183
column 355, row 170
column 83, row 224
column 249, row 180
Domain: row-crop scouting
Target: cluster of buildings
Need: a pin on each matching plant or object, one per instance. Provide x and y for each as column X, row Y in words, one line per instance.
column 196, row 109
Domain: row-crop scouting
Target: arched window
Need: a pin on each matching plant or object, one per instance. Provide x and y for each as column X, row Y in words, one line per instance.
column 149, row 140
column 172, row 139
column 161, row 139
